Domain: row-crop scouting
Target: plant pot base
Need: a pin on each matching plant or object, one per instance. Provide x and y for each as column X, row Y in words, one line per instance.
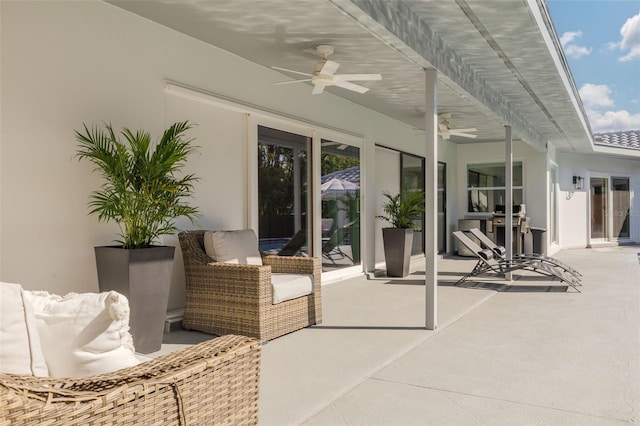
column 397, row 250
column 144, row 277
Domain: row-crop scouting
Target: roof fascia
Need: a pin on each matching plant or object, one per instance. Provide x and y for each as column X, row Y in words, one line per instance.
column 541, row 14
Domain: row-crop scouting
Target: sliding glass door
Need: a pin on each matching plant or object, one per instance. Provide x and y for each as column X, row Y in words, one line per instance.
column 340, row 195
column 599, row 186
column 285, row 205
column 620, row 207
column 283, row 182
column 610, row 208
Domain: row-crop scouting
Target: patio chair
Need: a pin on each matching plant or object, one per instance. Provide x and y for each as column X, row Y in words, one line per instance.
column 500, row 251
column 231, row 298
column 213, row 382
column 327, row 226
column 489, row 263
column 294, row 245
column 331, row 249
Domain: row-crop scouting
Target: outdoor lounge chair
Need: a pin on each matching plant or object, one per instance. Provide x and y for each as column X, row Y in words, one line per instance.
column 214, row 382
column 500, row 251
column 490, row 263
column 294, row 245
column 331, row 249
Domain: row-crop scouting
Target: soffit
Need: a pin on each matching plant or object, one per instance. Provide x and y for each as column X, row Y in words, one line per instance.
column 475, row 84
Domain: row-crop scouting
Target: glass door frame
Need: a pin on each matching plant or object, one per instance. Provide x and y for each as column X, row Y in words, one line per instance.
column 608, row 208
column 605, row 209
column 316, row 134
column 320, row 134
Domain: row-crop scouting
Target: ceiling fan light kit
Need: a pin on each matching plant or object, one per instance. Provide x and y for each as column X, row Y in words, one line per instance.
column 324, row 74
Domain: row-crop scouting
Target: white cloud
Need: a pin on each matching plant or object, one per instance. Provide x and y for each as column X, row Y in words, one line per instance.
column 630, row 33
column 595, row 95
column 570, row 48
column 596, row 98
column 613, row 121
column 575, row 51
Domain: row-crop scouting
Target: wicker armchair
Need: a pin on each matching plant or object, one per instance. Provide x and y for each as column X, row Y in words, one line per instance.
column 224, row 298
column 211, row 383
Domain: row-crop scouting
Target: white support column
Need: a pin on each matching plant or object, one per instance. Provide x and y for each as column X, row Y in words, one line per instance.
column 508, row 206
column 431, row 196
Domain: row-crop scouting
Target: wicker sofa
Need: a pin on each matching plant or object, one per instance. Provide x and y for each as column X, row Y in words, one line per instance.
column 224, row 298
column 211, row 383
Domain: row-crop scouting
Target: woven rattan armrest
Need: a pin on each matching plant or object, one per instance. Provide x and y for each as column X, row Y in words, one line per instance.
column 214, row 382
column 293, row 265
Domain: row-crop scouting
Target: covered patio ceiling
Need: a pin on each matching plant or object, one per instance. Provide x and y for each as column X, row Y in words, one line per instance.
column 499, row 61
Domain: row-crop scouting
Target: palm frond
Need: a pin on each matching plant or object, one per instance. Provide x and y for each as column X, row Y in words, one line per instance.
column 140, row 191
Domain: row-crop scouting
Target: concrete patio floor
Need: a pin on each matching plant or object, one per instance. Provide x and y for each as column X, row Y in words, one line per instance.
column 531, row 352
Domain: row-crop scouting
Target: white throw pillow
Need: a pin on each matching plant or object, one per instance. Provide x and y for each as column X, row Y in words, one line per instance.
column 233, row 246
column 84, row 334
column 20, row 351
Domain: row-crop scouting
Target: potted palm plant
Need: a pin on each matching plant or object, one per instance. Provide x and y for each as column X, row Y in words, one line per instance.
column 143, row 192
column 400, row 210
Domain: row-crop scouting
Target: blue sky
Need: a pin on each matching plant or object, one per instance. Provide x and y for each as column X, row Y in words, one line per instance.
column 601, row 39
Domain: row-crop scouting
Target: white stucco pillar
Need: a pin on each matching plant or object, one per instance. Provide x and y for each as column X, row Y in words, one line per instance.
column 431, row 196
column 508, row 205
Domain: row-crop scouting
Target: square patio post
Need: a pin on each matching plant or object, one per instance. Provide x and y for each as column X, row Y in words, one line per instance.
column 508, row 208
column 431, row 198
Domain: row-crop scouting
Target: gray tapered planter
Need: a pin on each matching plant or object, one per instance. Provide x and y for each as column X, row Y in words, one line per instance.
column 144, row 276
column 397, row 250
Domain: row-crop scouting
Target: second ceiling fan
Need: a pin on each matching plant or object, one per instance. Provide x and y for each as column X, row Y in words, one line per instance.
column 445, row 130
column 324, row 74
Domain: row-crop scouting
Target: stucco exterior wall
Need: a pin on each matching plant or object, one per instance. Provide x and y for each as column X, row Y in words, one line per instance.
column 68, row 63
column 574, row 223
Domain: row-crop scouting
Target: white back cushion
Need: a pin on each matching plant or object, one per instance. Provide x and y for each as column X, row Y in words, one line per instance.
column 233, row 246
column 83, row 334
column 20, row 351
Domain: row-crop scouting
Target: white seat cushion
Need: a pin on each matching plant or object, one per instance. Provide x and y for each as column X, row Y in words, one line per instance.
column 20, row 351
column 233, row 246
column 83, row 334
column 290, row 286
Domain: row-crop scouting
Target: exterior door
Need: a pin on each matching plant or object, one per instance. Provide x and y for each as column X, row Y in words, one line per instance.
column 599, row 190
column 620, row 207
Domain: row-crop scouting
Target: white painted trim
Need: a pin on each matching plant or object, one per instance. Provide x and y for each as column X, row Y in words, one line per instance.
column 256, row 116
column 216, row 99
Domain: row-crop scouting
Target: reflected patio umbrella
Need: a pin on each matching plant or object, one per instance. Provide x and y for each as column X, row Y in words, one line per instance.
column 336, row 187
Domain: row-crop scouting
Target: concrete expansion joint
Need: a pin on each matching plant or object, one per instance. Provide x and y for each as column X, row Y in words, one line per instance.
column 509, row 401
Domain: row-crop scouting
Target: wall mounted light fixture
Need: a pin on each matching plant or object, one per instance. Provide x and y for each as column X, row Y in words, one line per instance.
column 578, row 182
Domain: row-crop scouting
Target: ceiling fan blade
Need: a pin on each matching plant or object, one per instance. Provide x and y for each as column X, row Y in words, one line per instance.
column 351, row 86
column 470, row 129
column 291, row 71
column 317, row 89
column 280, row 83
column 357, row 77
column 464, row 135
column 329, row 68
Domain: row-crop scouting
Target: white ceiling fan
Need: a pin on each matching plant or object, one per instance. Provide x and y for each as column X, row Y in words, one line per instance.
column 324, row 74
column 445, row 130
